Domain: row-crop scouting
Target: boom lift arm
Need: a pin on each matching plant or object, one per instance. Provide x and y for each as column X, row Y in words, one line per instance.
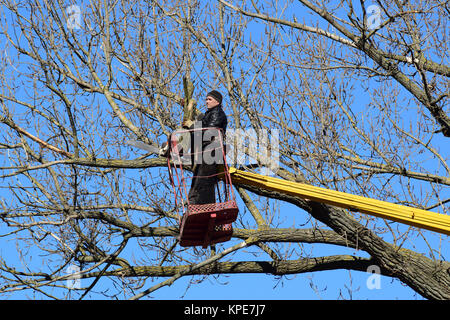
column 411, row 216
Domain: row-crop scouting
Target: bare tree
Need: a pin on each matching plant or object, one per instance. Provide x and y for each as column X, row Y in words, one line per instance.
column 358, row 94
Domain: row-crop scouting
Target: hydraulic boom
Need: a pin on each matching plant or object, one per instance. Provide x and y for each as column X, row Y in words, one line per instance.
column 411, row 216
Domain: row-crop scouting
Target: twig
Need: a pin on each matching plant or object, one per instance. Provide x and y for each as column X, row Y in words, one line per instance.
column 34, row 138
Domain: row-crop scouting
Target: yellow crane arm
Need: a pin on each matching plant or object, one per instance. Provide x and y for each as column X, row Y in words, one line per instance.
column 411, row 216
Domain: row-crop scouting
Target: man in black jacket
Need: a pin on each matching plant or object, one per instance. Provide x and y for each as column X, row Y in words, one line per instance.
column 205, row 174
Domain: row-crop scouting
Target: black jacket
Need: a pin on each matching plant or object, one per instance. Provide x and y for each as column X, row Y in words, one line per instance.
column 215, row 117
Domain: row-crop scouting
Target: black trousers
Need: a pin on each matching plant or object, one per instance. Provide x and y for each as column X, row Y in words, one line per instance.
column 205, row 169
column 203, row 184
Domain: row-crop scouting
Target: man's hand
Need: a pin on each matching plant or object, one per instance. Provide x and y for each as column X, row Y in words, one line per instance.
column 187, row 124
column 163, row 151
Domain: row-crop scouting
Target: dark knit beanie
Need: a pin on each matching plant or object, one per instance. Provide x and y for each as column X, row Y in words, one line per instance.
column 216, row 95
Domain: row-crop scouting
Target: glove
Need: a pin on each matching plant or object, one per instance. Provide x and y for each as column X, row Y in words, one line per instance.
column 187, row 124
column 164, row 150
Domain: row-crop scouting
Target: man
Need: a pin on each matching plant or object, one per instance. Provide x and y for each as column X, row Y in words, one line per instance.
column 214, row 115
column 205, row 174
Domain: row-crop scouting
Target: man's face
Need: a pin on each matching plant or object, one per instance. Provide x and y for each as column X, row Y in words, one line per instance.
column 211, row 102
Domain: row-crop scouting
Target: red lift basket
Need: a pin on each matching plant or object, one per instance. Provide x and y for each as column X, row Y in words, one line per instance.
column 201, row 224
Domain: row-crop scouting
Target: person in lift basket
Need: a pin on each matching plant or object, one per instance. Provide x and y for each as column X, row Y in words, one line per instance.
column 205, row 175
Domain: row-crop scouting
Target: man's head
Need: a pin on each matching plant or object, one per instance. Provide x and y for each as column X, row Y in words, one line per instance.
column 213, row 99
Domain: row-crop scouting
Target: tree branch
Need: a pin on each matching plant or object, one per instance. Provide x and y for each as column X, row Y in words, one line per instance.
column 302, row 265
